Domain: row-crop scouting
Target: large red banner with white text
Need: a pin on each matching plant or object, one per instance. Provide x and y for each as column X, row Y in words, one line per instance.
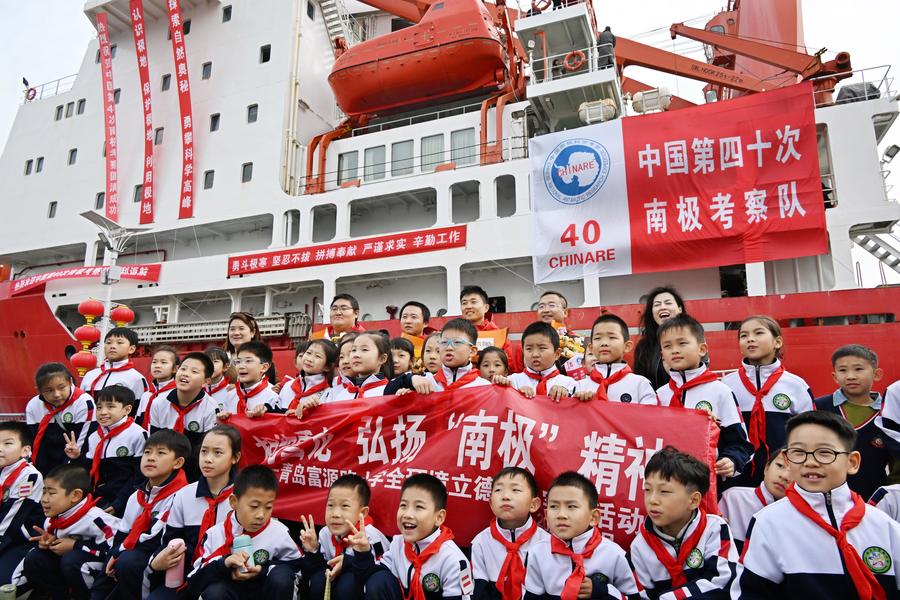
column 147, row 272
column 465, row 436
column 140, row 47
column 725, row 183
column 186, row 196
column 109, row 119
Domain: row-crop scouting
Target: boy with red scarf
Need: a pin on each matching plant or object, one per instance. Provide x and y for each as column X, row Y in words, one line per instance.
column 500, row 552
column 75, row 539
column 20, row 494
column 576, row 561
column 540, row 351
column 822, row 541
column 423, row 561
column 680, row 550
column 118, row 346
column 141, row 527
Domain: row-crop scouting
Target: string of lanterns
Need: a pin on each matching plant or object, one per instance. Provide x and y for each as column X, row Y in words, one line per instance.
column 88, row 334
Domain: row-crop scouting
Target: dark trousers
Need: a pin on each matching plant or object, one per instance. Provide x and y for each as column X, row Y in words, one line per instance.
column 10, row 558
column 60, row 576
column 129, row 581
column 277, row 584
column 382, row 585
column 344, row 587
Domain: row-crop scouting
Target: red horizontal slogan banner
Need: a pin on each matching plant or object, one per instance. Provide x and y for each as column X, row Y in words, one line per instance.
column 465, row 436
column 398, row 244
column 148, row 272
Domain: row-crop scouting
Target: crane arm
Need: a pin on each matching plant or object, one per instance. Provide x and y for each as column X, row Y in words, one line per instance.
column 411, row 10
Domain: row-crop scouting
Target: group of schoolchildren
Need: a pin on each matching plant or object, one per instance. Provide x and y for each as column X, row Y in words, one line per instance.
column 114, row 484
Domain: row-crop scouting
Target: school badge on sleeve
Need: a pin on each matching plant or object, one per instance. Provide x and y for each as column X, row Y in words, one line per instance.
column 877, row 559
column 694, row 559
column 431, row 583
column 782, row 401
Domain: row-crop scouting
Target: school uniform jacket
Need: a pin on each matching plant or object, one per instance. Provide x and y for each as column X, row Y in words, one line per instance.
column 306, row 382
column 788, row 397
column 404, row 382
column 889, row 419
column 226, row 399
column 94, row 532
column 346, row 389
column 607, row 568
column 520, row 380
column 266, row 396
column 716, row 398
column 876, row 446
column 120, row 465
column 314, row 562
column 149, row 539
column 488, row 556
column 186, row 515
column 78, row 418
column 156, row 390
column 787, row 555
column 130, row 378
column 633, row 388
column 887, row 499
column 449, row 570
column 272, row 546
column 709, row 569
column 20, row 508
column 738, row 505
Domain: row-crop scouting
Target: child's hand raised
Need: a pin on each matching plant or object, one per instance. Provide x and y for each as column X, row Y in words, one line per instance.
column 44, row 539
column 358, row 538
column 308, row 537
column 527, row 391
column 558, row 392
column 71, row 449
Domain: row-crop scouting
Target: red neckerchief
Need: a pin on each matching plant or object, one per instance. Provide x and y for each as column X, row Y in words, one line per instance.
column 225, row 548
column 56, row 523
column 341, row 544
column 759, row 494
column 45, row 420
column 183, row 411
column 223, row 383
column 512, row 573
column 573, row 583
column 541, row 389
column 864, row 581
column 704, row 377
column 244, row 396
column 144, row 519
column 416, row 592
column 159, row 390
column 209, row 517
column 466, row 379
column 100, row 450
column 11, row 478
column 756, row 428
column 603, row 383
column 103, row 371
column 300, row 393
column 360, row 392
column 675, row 566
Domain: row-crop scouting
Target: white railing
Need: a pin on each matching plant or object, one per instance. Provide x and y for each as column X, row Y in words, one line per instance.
column 51, row 88
column 295, row 325
column 878, row 77
column 415, row 119
column 554, row 66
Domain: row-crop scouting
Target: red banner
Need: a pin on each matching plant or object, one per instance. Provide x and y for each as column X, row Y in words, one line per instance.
column 398, row 244
column 726, row 183
column 464, row 437
column 148, row 272
column 109, row 119
column 140, row 47
column 186, row 202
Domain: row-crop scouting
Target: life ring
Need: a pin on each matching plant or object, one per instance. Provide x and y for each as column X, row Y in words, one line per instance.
column 574, row 60
column 31, row 94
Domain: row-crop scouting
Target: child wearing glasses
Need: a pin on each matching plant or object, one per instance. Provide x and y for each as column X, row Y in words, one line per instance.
column 823, row 540
column 457, row 348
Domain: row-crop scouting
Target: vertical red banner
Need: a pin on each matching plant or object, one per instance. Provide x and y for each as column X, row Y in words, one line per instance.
column 109, row 119
column 140, row 47
column 186, row 201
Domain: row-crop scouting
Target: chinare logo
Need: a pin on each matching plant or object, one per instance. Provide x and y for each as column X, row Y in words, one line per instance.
column 576, row 170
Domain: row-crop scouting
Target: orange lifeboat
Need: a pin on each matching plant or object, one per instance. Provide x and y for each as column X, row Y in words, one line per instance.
column 455, row 50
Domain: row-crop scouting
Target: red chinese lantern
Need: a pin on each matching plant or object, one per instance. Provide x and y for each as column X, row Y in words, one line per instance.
column 87, row 335
column 83, row 361
column 121, row 315
column 91, row 309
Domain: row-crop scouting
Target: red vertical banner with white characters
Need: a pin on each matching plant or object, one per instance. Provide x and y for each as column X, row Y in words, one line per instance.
column 140, row 47
column 109, row 119
column 726, row 183
column 186, row 197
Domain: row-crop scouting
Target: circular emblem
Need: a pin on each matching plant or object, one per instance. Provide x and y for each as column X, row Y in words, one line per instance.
column 68, row 417
column 121, row 451
column 626, row 398
column 877, row 559
column 694, row 559
column 261, row 557
column 194, row 426
column 576, row 170
column 704, row 405
column 782, row 401
column 877, row 442
column 431, row 583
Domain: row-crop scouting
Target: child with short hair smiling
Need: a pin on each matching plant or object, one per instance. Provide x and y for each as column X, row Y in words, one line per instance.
column 328, row 554
column 822, row 541
column 255, row 394
column 371, row 365
column 681, row 550
column 113, row 453
column 118, row 346
column 611, row 378
column 20, row 494
column 540, row 351
column 75, row 539
column 221, row 385
column 576, row 561
column 693, row 385
column 164, row 362
column 500, row 552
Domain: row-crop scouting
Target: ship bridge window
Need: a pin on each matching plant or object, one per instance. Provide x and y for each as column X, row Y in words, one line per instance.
column 464, row 202
column 373, row 163
column 208, row 179
column 99, row 200
column 310, row 10
column 348, row 166
column 138, row 193
column 206, row 73
column 432, row 151
column 51, row 210
column 265, row 53
column 397, row 211
column 39, row 164
column 158, row 136
column 324, row 220
column 402, row 158
column 58, row 115
column 214, row 122
column 226, row 13
column 166, row 82
column 29, row 164
column 246, row 172
column 79, row 110
column 506, row 195
column 462, row 146
column 252, row 113
column 70, row 108
column 73, row 155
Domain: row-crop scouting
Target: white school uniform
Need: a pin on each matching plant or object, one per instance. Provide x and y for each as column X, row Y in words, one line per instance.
column 130, row 378
column 224, row 395
column 307, row 382
column 887, row 499
column 633, row 388
column 344, row 389
column 201, row 415
column 272, row 543
column 739, row 504
column 450, row 565
column 522, row 380
column 488, row 554
column 265, row 396
column 452, row 376
column 377, row 540
column 889, row 418
column 155, row 389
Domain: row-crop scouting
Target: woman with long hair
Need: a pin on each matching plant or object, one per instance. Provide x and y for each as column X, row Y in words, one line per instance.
column 243, row 328
column 662, row 303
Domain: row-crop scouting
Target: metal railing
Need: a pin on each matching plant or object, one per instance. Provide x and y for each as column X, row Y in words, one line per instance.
column 295, row 325
column 878, row 77
column 415, row 119
column 51, row 88
column 570, row 64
